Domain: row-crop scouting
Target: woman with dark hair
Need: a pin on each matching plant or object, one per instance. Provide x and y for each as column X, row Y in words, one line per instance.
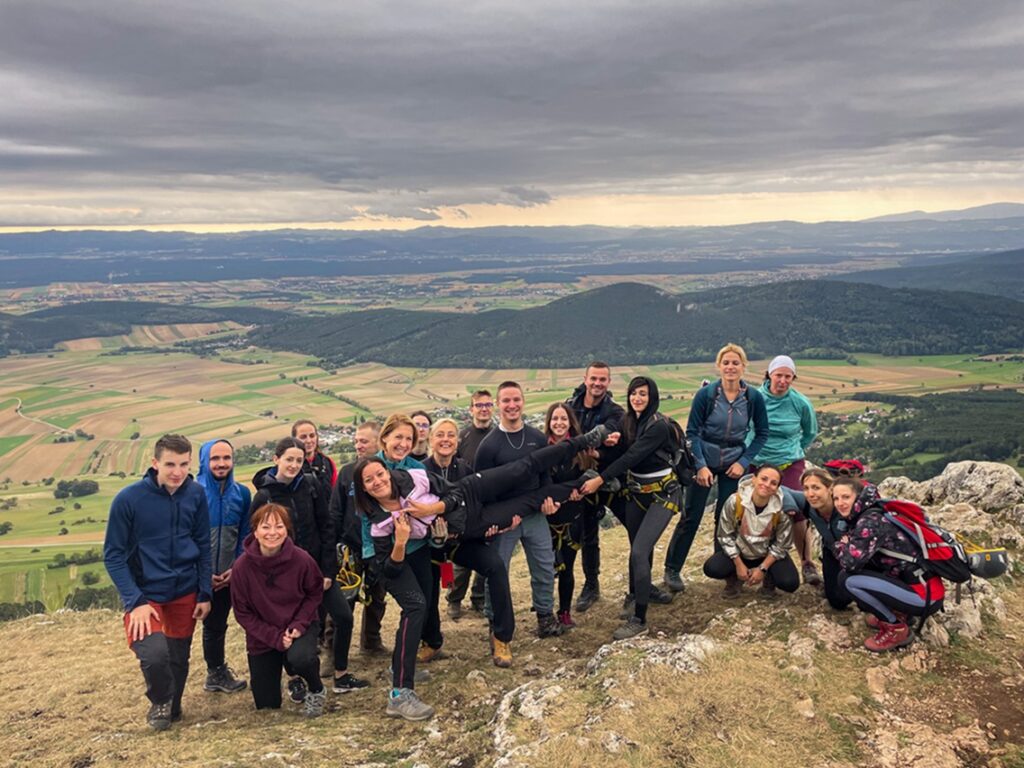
column 303, row 496
column 721, row 415
column 754, row 538
column 276, row 589
column 882, row 584
column 385, row 494
column 654, row 494
column 422, row 422
column 560, row 423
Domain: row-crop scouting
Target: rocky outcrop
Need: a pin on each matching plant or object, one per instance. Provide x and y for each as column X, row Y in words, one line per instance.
column 985, row 485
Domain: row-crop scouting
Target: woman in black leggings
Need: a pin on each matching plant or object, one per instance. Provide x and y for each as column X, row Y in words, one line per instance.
column 655, row 494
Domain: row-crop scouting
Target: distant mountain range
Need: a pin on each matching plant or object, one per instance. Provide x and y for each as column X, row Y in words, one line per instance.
column 998, row 274
column 558, row 253
column 629, row 323
column 980, row 212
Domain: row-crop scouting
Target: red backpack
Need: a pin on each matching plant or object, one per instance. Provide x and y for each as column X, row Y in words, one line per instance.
column 939, row 553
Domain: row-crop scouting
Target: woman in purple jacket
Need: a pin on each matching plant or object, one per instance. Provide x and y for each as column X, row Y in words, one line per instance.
column 276, row 589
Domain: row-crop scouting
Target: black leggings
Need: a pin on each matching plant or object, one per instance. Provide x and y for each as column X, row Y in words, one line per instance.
column 565, row 539
column 644, row 527
column 885, row 596
column 265, row 669
column 411, row 588
column 215, row 627
column 783, row 572
column 481, row 557
column 835, row 593
column 483, row 490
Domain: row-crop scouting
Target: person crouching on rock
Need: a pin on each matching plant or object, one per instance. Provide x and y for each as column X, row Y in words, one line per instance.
column 276, row 589
column 882, row 585
column 755, row 536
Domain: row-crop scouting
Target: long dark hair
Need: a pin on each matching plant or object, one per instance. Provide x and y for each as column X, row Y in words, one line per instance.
column 583, row 459
column 364, row 501
column 631, row 422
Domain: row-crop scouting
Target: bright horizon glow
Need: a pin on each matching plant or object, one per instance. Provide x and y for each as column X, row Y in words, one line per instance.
column 629, row 211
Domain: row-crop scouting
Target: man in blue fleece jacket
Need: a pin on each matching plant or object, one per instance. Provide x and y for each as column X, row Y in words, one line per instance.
column 157, row 552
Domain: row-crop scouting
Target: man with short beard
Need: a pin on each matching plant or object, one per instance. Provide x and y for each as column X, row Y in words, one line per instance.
column 228, row 503
column 511, row 440
column 592, row 403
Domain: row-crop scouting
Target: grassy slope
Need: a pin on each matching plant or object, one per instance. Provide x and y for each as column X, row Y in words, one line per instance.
column 74, row 694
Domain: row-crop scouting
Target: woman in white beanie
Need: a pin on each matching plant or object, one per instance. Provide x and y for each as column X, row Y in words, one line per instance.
column 792, row 427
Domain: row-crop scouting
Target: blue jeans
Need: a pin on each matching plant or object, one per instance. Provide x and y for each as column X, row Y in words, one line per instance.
column 540, row 557
column 686, row 529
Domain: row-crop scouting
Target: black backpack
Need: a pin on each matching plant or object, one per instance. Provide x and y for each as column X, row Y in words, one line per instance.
column 678, row 454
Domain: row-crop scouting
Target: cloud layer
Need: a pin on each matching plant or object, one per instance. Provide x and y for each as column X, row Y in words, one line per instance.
column 249, row 111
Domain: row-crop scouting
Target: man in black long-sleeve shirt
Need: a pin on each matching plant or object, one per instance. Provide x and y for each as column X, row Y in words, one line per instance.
column 511, row 440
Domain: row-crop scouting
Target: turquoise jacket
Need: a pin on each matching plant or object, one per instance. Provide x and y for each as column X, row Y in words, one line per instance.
column 792, row 427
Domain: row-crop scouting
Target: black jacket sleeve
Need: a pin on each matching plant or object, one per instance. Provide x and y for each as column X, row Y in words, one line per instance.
column 650, row 440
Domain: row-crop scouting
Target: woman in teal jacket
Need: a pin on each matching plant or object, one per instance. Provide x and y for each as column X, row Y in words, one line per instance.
column 792, row 427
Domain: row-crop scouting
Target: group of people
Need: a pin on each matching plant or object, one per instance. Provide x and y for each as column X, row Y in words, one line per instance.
column 426, row 504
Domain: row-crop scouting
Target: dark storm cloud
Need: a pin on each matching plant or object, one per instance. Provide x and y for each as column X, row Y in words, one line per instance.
column 233, row 109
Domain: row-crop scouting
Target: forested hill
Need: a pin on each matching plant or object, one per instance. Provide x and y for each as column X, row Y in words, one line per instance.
column 998, row 274
column 40, row 330
column 629, row 323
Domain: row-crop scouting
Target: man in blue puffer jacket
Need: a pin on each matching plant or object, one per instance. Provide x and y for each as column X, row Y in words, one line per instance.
column 228, row 503
column 157, row 552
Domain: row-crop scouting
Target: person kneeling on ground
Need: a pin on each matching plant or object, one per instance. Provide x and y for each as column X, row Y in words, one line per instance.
column 755, row 536
column 882, row 584
column 276, row 589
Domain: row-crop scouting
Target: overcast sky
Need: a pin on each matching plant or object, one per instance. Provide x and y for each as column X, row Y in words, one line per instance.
column 382, row 113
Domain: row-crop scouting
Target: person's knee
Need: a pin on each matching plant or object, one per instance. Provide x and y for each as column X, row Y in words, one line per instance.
column 153, row 650
column 788, row 582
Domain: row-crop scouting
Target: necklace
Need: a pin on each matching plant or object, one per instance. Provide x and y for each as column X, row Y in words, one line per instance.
column 521, row 442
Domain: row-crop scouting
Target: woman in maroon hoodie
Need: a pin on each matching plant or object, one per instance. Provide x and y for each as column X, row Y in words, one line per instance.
column 276, row 588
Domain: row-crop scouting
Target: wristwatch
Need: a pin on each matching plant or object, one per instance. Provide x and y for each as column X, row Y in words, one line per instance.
column 762, row 569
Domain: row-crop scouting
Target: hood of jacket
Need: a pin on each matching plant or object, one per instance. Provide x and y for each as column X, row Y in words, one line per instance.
column 205, row 476
column 267, row 477
column 653, row 402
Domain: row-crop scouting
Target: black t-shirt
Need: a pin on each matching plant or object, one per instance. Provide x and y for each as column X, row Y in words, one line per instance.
column 499, row 448
column 469, row 441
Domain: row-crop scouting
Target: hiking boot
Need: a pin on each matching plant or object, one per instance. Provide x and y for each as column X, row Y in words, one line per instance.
column 811, row 575
column 548, row 626
column 375, row 648
column 589, row 595
column 732, row 588
column 565, row 619
column 348, row 683
column 408, row 705
column 223, row 679
column 159, row 716
column 595, row 437
column 660, row 596
column 426, row 654
column 628, row 606
column 501, row 653
column 633, row 627
column 327, row 666
column 768, row 587
column 477, row 605
column 674, row 581
column 871, row 620
column 419, row 676
column 889, row 637
column 454, row 611
column 297, row 690
column 314, row 704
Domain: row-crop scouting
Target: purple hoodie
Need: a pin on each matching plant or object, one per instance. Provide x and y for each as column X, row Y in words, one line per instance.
column 273, row 594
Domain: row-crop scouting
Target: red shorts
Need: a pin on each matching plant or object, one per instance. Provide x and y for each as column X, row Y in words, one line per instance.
column 174, row 619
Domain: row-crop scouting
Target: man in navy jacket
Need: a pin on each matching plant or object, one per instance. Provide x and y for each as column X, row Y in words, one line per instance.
column 228, row 503
column 157, row 552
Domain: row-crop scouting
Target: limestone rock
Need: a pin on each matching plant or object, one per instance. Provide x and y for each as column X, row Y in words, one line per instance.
column 986, row 485
column 877, row 679
column 684, row 653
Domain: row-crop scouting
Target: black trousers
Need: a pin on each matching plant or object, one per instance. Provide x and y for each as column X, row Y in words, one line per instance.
column 566, row 542
column 644, row 527
column 483, row 559
column 215, row 628
column 590, row 545
column 783, row 572
column 411, row 588
column 373, row 615
column 265, row 669
column 835, row 592
column 460, row 586
column 164, row 663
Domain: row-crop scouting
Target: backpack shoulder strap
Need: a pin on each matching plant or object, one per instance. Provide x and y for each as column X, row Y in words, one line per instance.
column 739, row 509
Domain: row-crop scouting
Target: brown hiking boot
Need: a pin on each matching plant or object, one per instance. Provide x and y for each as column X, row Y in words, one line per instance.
column 889, row 637
column 501, row 653
column 426, row 654
column 732, row 588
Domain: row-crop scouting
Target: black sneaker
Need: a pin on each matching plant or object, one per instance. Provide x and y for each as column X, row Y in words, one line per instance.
column 159, row 716
column 589, row 595
column 548, row 625
column 349, row 682
column 223, row 679
column 297, row 690
column 660, row 596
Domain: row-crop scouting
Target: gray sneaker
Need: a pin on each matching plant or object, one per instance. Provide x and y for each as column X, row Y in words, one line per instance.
column 628, row 606
column 223, row 679
column 408, row 705
column 674, row 581
column 313, row 706
column 632, row 628
column 159, row 716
